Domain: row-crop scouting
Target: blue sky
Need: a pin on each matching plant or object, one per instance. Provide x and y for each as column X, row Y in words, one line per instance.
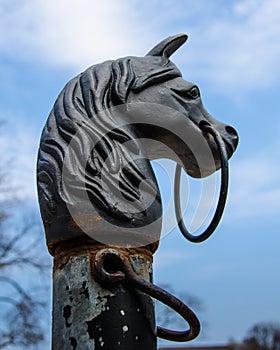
column 233, row 55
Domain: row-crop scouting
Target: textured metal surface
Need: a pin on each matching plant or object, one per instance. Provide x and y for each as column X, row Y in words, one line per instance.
column 94, row 173
column 87, row 316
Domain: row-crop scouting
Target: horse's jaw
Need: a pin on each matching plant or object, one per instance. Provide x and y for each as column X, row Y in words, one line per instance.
column 182, row 142
column 198, row 161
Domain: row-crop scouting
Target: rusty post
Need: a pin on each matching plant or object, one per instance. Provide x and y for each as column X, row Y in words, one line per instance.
column 88, row 316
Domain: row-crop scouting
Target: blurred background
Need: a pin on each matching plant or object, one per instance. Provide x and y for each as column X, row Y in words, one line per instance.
column 233, row 55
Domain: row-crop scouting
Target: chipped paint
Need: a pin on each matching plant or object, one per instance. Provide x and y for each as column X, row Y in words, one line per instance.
column 85, row 314
column 78, row 299
column 101, row 342
column 125, row 328
column 122, row 312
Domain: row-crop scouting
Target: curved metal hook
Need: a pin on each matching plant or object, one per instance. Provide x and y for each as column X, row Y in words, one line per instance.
column 124, row 272
column 222, row 197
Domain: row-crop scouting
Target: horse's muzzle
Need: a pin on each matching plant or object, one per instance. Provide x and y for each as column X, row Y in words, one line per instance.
column 230, row 138
column 228, row 134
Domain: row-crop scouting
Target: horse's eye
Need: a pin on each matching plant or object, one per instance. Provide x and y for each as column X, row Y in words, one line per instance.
column 194, row 92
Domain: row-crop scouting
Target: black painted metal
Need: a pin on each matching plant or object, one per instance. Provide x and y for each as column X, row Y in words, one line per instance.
column 85, row 165
column 127, row 322
column 87, row 316
column 222, row 196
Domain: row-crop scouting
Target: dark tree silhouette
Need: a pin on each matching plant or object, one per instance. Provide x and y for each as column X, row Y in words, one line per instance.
column 263, row 336
column 22, row 265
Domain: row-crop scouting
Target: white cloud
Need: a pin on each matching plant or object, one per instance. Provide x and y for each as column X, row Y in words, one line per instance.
column 232, row 44
column 239, row 50
column 69, row 32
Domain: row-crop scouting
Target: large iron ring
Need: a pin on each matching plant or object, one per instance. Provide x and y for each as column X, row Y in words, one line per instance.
column 222, row 196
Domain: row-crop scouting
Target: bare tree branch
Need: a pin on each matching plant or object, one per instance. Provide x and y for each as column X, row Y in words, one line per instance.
column 20, row 239
column 262, row 336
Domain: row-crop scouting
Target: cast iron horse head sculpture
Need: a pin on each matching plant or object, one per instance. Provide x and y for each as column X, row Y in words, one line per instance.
column 94, row 172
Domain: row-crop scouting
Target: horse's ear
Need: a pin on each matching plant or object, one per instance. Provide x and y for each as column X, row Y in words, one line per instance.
column 168, row 46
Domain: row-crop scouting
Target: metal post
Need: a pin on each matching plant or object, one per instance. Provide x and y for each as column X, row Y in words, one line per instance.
column 89, row 317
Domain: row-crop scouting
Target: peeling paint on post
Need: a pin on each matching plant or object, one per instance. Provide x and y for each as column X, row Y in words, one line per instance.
column 88, row 317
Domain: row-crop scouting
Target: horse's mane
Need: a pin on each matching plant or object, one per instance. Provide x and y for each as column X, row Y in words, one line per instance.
column 83, row 117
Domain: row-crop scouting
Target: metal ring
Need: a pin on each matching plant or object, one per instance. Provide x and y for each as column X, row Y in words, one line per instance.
column 222, row 196
column 123, row 272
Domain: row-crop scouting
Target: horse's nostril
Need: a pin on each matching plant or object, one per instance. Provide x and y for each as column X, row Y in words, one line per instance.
column 231, row 131
column 202, row 124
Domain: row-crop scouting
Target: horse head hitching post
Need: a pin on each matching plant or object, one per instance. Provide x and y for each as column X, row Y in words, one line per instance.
column 100, row 201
